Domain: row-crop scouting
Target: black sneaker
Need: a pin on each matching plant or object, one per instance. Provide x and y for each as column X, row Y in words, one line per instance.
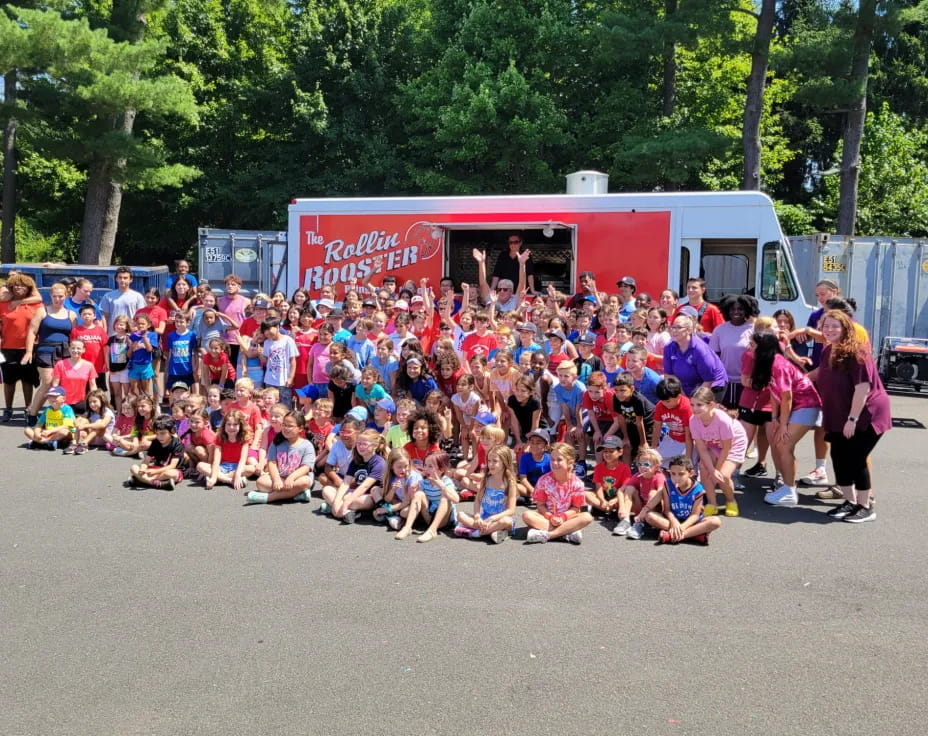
column 861, row 515
column 7, row 416
column 845, row 509
column 755, row 470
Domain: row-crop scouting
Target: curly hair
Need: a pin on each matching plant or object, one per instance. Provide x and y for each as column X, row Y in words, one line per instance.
column 430, row 419
column 848, row 348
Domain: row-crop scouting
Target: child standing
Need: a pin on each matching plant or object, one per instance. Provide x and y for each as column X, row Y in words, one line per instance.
column 721, row 444
column 467, row 405
column 495, row 502
column 279, row 356
column 569, row 392
column 182, row 353
column 290, row 463
column 559, row 496
column 682, row 502
column 635, row 414
column 142, row 344
column 117, row 360
column 164, row 459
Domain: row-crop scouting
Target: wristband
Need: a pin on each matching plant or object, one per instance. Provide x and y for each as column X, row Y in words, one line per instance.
column 548, row 515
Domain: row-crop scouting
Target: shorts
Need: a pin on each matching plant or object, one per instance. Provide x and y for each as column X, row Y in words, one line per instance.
column 46, row 356
column 141, row 372
column 604, row 425
column 755, row 417
column 14, row 371
column 452, row 519
column 120, row 376
column 253, row 454
column 669, row 448
column 809, row 417
column 172, row 379
column 732, row 396
column 228, row 467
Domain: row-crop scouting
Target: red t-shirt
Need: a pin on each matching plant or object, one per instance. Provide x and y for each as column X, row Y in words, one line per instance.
column 475, row 345
column 206, row 438
column 230, row 452
column 94, row 339
column 214, row 366
column 418, row 456
column 602, row 410
column 710, row 319
column 250, row 326
column 611, row 477
column 15, row 324
column 74, row 379
column 157, row 314
column 253, row 416
column 676, row 419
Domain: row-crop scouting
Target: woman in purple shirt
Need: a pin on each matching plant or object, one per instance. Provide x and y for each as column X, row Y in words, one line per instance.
column 692, row 361
column 856, row 412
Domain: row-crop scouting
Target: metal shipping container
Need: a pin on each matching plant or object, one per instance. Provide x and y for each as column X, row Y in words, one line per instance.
column 258, row 258
column 887, row 276
column 103, row 278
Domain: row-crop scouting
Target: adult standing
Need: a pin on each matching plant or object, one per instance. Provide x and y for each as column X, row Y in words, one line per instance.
column 181, row 270
column 47, row 343
column 627, row 287
column 587, row 292
column 731, row 338
column 122, row 300
column 856, row 413
column 17, row 308
column 709, row 315
column 508, row 266
column 80, row 296
column 692, row 361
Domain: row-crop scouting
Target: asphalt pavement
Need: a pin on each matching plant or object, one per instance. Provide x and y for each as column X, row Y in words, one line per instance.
column 186, row 612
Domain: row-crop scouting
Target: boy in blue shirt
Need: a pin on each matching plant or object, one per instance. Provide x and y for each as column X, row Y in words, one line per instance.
column 55, row 424
column 182, row 348
column 534, row 463
column 569, row 394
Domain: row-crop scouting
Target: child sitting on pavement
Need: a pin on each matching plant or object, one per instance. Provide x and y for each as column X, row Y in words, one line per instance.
column 55, row 425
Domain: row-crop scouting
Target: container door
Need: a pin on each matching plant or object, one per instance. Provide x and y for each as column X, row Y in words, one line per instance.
column 689, row 263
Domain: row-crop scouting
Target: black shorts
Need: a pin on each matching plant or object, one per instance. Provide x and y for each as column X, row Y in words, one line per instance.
column 732, row 396
column 756, row 417
column 14, row 371
column 46, row 356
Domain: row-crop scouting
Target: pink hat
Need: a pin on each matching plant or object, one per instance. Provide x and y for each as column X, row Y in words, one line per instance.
column 401, row 305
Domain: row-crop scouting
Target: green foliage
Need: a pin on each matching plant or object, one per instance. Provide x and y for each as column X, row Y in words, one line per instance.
column 893, row 198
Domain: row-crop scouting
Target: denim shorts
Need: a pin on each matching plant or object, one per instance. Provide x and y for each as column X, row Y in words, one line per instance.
column 228, row 467
column 809, row 417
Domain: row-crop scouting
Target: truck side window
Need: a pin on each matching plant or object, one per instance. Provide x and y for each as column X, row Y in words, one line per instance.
column 777, row 282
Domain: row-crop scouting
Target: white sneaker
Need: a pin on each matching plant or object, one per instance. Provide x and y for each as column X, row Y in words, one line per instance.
column 536, row 536
column 394, row 522
column 782, row 496
column 637, row 531
column 575, row 537
column 818, row 477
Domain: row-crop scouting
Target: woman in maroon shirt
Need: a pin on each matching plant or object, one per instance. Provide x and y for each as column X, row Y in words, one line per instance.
column 856, row 412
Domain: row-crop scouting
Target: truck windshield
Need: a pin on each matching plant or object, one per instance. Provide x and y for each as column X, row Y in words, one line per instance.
column 777, row 282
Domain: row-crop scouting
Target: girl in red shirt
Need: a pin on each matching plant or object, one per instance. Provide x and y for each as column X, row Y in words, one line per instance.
column 217, row 367
column 231, row 462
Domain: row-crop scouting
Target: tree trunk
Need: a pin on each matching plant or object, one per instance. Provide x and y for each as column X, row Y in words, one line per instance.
column 754, row 104
column 8, row 231
column 855, row 119
column 102, row 204
column 670, row 63
column 104, row 181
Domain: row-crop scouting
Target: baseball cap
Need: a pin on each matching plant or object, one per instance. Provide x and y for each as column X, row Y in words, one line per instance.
column 590, row 298
column 542, row 433
column 54, row 391
column 586, row 339
column 557, row 333
column 326, row 303
column 688, row 311
column 417, row 300
column 387, row 403
column 627, row 281
column 486, row 417
column 527, row 327
column 336, row 313
column 179, row 384
column 369, row 303
column 359, row 413
column 308, row 392
column 262, row 304
column 401, row 305
column 610, row 443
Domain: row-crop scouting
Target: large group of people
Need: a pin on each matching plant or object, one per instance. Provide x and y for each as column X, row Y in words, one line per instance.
column 409, row 404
